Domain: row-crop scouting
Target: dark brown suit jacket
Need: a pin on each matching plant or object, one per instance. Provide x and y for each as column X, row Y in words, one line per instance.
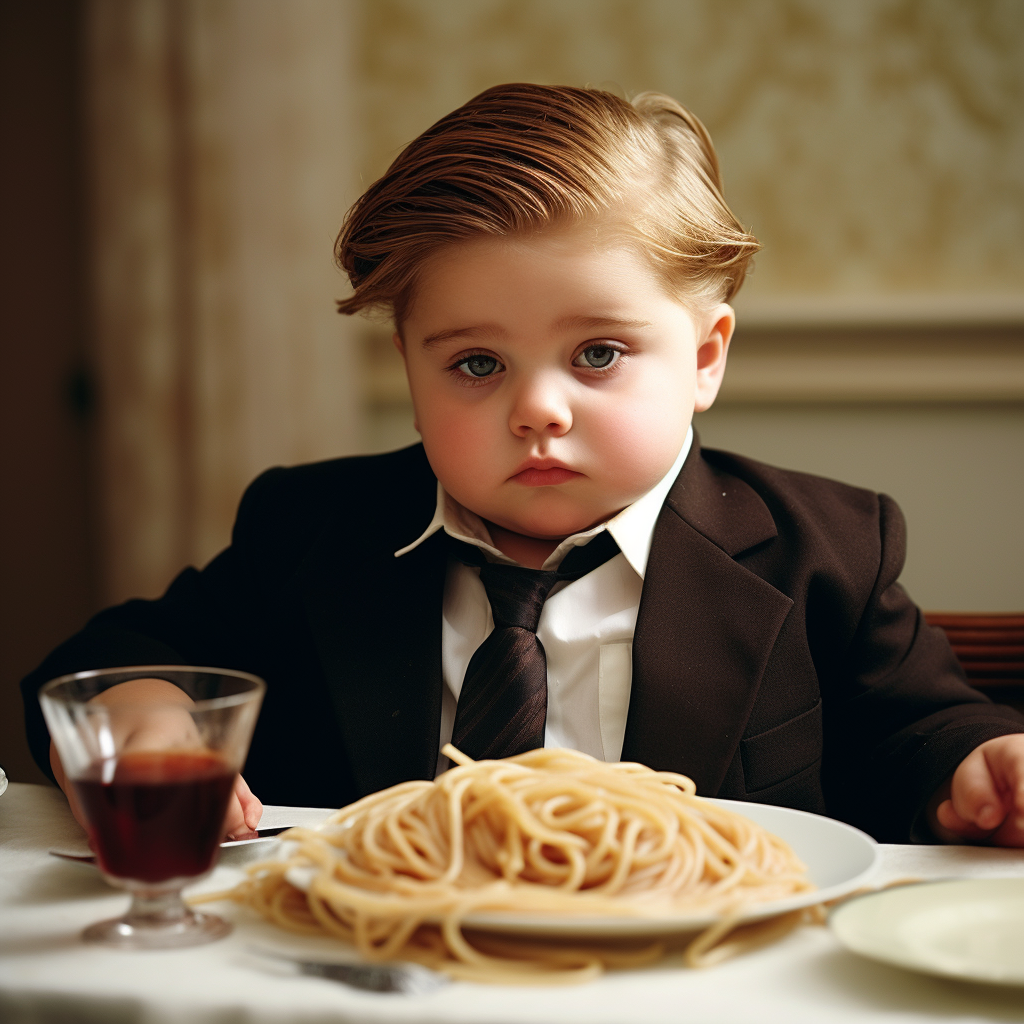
column 775, row 658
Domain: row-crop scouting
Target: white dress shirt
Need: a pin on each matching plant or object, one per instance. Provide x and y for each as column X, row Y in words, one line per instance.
column 586, row 625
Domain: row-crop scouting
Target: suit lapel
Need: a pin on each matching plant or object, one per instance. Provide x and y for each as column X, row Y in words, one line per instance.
column 705, row 628
column 376, row 623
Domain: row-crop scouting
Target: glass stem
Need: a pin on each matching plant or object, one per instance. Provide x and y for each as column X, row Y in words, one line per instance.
column 157, row 908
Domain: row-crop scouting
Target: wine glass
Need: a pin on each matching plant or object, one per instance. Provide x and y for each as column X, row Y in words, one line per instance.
column 153, row 777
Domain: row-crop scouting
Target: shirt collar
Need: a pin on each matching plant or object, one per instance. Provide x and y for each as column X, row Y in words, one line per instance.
column 632, row 528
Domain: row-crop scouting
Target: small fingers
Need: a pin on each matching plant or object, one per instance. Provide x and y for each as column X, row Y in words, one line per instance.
column 1010, row 833
column 975, row 800
column 234, row 820
column 959, row 828
column 1005, row 759
column 252, row 808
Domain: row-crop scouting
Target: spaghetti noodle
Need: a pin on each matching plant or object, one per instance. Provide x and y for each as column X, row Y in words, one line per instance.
column 547, row 832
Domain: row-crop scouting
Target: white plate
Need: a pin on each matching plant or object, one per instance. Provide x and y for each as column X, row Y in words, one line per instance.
column 838, row 858
column 972, row 929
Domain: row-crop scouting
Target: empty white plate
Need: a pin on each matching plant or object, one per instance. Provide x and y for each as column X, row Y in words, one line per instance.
column 972, row 929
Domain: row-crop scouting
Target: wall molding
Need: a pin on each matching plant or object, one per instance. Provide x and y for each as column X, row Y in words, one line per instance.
column 848, row 377
column 879, row 311
column 889, row 353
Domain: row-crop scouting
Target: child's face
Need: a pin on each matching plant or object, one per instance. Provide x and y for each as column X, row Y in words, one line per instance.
column 553, row 377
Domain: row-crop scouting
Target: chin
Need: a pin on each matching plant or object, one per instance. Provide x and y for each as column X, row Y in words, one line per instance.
column 552, row 526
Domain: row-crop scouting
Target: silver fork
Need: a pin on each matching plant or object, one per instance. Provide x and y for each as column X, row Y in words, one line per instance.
column 395, row 977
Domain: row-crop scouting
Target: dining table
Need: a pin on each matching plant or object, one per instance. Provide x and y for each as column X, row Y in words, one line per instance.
column 48, row 973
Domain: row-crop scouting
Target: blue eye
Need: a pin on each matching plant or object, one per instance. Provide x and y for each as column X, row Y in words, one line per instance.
column 597, row 357
column 480, row 366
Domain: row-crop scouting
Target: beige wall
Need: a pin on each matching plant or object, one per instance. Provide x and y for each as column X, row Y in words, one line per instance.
column 875, row 146
column 955, row 471
column 877, row 149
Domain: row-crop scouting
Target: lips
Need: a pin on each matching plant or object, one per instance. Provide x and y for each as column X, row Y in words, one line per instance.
column 544, row 475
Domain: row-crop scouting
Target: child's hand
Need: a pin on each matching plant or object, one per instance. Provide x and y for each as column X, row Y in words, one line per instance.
column 244, row 811
column 986, row 796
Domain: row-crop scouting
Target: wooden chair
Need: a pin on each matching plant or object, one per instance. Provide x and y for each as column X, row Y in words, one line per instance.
column 991, row 650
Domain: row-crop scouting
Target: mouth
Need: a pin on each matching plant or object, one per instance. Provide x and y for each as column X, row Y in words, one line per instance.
column 544, row 473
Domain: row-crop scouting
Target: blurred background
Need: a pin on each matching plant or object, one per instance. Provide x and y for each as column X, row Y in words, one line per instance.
column 175, row 172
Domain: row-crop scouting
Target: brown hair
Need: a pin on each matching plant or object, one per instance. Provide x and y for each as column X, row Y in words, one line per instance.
column 520, row 157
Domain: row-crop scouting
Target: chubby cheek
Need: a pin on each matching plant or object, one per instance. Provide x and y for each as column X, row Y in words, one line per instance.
column 637, row 442
column 460, row 444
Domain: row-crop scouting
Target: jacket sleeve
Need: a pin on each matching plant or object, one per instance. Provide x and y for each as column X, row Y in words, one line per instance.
column 200, row 620
column 908, row 716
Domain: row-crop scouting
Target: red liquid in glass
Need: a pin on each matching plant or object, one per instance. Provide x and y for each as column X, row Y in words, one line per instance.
column 161, row 815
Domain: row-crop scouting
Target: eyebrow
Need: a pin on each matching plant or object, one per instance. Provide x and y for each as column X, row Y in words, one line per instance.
column 590, row 322
column 565, row 323
column 473, row 331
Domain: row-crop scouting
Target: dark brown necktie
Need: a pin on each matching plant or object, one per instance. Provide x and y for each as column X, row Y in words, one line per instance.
column 504, row 699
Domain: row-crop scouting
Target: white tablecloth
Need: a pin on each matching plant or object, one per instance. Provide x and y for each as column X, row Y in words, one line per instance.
column 48, row 974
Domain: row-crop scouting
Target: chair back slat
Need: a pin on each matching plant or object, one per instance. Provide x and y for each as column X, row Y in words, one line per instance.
column 990, row 649
column 972, row 620
column 985, row 638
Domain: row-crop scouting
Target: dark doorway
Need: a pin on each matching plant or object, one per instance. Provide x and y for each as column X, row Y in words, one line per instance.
column 47, row 568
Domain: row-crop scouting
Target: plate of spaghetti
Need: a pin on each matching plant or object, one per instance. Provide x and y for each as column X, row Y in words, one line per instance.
column 495, row 860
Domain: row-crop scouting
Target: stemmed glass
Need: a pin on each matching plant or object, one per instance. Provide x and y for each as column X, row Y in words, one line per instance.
column 153, row 778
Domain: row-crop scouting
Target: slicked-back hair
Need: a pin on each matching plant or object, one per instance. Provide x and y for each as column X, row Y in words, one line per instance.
column 519, row 158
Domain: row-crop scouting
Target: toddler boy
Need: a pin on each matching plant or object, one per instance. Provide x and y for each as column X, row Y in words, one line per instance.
column 560, row 562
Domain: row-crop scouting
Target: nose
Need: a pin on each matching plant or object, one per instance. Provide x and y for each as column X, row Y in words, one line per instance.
column 540, row 406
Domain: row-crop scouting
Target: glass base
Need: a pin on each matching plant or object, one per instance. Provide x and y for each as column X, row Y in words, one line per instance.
column 158, row 921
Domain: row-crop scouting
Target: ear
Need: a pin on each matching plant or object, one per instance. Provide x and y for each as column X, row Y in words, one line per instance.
column 712, row 351
column 396, row 338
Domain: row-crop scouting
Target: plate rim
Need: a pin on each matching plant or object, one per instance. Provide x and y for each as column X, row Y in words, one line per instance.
column 904, row 957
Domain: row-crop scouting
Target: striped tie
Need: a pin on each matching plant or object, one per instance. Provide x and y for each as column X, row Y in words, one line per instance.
column 504, row 699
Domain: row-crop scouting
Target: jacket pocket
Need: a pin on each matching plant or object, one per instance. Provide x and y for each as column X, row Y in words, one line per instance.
column 773, row 756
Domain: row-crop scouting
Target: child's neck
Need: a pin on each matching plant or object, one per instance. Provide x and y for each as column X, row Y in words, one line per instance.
column 529, row 551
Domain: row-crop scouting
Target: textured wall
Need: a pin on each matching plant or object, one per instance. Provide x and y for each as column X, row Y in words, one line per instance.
column 872, row 146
